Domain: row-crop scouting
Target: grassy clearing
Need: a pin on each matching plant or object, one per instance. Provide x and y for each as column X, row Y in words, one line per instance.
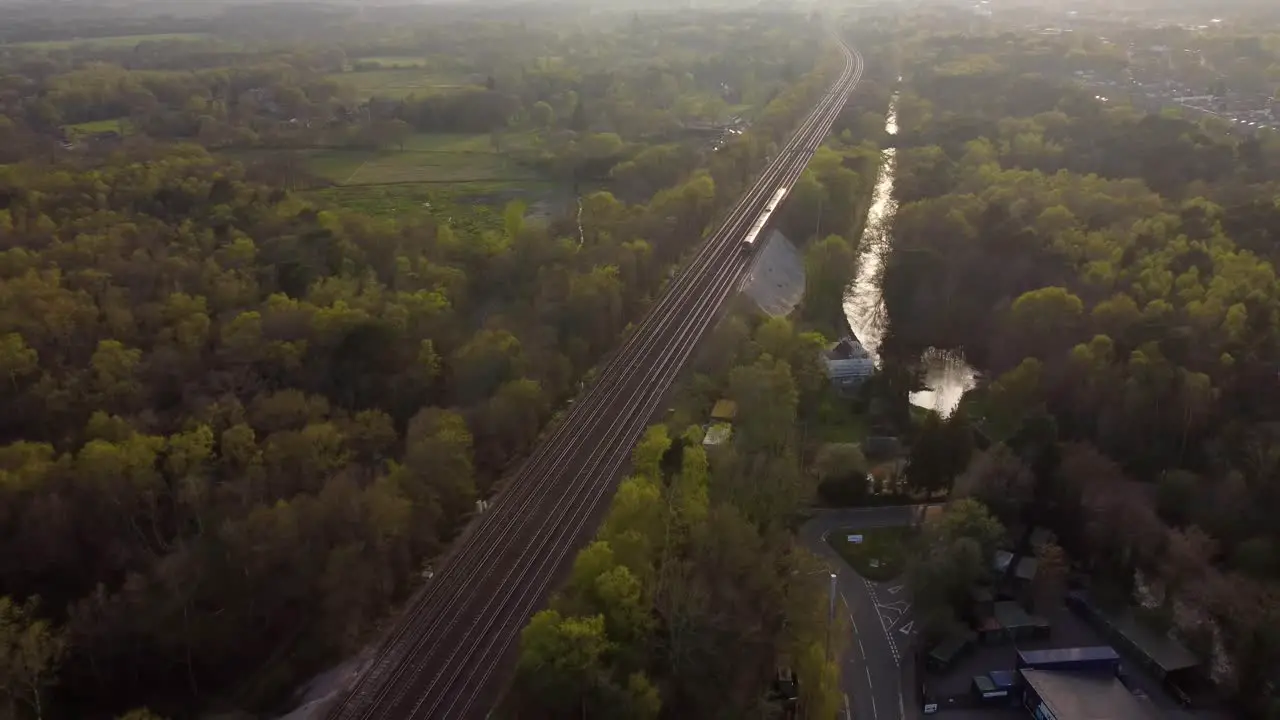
column 120, row 124
column 427, row 158
column 118, row 41
column 410, row 167
column 838, row 421
column 474, row 207
column 882, row 554
column 338, row 165
column 392, row 62
column 468, row 143
column 399, row 82
column 382, row 200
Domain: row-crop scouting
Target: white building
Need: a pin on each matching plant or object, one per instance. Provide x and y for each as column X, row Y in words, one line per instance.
column 848, row 364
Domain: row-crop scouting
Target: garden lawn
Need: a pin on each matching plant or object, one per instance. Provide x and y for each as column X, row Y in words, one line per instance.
column 881, row 555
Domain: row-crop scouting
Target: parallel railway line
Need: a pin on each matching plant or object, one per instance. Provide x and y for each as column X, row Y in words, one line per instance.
column 457, row 632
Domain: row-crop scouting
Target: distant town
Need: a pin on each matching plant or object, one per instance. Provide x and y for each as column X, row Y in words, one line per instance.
column 1163, row 62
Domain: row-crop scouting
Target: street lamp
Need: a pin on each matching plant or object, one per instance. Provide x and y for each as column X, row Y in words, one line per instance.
column 831, row 613
column 831, row 605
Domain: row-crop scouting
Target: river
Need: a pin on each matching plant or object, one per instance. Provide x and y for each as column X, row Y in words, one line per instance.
column 946, row 375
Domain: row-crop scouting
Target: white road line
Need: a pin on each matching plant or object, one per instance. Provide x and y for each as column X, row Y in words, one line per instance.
column 871, row 694
column 848, row 714
column 862, row 649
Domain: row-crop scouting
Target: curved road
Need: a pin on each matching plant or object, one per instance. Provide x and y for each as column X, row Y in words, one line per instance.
column 880, row 614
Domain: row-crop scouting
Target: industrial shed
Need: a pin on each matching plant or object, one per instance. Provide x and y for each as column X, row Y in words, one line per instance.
column 1065, row 695
column 1161, row 654
column 1017, row 624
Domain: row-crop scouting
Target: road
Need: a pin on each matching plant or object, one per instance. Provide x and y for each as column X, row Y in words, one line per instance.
column 448, row 655
column 880, row 614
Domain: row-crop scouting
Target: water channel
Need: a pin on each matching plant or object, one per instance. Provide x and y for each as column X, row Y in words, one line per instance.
column 946, row 375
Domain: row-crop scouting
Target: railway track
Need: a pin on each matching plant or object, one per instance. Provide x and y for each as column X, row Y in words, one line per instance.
column 456, row 633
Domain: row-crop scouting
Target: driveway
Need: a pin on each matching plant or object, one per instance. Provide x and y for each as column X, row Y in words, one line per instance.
column 879, row 612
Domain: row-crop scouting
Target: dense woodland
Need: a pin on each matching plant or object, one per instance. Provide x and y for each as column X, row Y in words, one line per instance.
column 1113, row 274
column 694, row 590
column 236, row 420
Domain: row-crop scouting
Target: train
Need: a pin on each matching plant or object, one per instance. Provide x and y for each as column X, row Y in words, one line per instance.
column 750, row 240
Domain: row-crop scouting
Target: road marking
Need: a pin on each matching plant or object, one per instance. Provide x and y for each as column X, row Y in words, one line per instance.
column 890, row 614
column 871, row 694
column 895, row 589
column 906, row 629
column 848, row 714
column 862, row 649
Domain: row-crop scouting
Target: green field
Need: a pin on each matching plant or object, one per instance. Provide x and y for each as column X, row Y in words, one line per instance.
column 401, row 167
column 468, row 143
column 96, row 126
column 476, row 205
column 118, row 41
column 393, row 61
column 881, row 555
column 399, row 83
column 427, row 158
column 458, row 176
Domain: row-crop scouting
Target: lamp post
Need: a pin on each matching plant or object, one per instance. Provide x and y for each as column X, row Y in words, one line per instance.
column 831, row 606
column 831, row 614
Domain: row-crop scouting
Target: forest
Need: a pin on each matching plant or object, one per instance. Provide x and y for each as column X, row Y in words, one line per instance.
column 1112, row 273
column 242, row 411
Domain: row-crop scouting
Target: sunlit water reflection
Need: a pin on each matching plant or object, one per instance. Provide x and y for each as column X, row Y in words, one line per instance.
column 946, row 375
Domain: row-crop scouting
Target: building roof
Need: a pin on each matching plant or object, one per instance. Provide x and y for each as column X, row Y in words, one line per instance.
column 1163, row 650
column 858, row 367
column 725, row 410
column 847, row 349
column 1026, row 569
column 1095, row 652
column 1084, row 696
column 717, row 434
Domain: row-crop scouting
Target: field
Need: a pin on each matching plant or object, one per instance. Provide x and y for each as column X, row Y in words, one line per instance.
column 393, row 61
column 458, row 177
column 427, row 158
column 476, row 206
column 118, row 41
column 98, row 126
column 400, row 82
column 401, row 167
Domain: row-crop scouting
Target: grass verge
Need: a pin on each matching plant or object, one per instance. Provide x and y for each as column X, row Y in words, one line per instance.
column 880, row 556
